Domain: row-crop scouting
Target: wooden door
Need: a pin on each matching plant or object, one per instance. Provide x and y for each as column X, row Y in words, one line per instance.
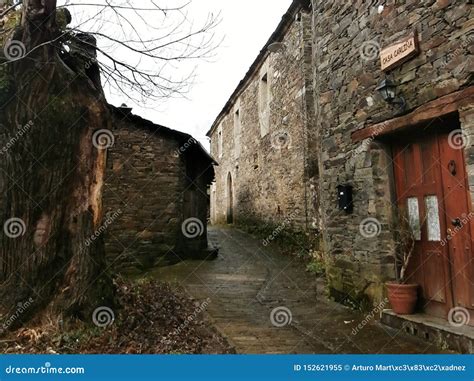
column 431, row 186
column 460, row 221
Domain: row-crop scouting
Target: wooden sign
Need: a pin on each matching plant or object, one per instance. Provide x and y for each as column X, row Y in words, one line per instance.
column 398, row 53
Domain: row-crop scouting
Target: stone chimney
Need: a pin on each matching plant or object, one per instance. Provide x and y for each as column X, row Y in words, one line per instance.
column 85, row 47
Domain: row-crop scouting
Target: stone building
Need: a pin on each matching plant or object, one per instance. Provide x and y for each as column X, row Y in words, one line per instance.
column 266, row 172
column 390, row 134
column 155, row 194
column 412, row 151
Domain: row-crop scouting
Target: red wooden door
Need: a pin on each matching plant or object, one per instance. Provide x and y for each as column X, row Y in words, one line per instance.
column 432, row 187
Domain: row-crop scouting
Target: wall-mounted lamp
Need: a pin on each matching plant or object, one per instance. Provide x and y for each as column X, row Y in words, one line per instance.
column 276, row 47
column 388, row 91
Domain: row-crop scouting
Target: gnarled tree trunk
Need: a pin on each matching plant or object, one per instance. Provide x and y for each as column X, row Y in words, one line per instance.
column 53, row 177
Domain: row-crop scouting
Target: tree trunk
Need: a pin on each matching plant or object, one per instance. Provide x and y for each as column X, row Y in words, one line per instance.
column 53, row 178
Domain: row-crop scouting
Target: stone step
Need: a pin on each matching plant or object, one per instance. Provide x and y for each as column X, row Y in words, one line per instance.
column 434, row 330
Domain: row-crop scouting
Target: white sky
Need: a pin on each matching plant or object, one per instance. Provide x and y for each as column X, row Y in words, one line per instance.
column 246, row 26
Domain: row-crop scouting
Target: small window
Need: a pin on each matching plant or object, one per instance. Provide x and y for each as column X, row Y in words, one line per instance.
column 219, row 142
column 237, row 132
column 264, row 104
column 414, row 217
column 264, row 90
column 432, row 218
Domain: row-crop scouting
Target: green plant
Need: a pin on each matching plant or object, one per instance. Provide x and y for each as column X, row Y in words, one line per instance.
column 316, row 267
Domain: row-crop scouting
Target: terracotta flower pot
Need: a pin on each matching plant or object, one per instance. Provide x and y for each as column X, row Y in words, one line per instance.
column 402, row 297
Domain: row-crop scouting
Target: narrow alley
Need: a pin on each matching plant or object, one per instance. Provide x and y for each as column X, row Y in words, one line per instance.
column 249, row 281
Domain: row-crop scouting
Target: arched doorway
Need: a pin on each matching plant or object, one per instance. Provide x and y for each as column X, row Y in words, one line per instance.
column 230, row 200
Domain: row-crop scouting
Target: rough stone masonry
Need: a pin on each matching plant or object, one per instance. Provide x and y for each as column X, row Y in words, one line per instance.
column 267, row 172
column 155, row 194
column 346, row 73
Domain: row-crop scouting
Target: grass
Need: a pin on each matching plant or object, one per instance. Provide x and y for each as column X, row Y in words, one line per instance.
column 316, row 267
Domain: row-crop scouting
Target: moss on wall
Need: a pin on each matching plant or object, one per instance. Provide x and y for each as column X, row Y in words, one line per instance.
column 287, row 237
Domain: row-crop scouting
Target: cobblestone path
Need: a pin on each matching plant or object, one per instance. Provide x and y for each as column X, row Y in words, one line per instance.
column 248, row 281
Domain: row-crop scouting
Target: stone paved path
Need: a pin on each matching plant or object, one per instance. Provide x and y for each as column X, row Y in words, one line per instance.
column 248, row 281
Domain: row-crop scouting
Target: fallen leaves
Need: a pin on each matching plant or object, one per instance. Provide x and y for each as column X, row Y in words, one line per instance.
column 153, row 318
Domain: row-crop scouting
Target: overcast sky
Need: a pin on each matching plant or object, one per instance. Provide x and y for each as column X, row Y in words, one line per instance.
column 246, row 26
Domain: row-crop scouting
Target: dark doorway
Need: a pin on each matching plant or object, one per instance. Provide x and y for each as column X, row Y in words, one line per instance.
column 230, row 200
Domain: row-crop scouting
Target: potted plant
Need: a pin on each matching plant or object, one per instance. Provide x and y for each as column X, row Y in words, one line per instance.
column 403, row 295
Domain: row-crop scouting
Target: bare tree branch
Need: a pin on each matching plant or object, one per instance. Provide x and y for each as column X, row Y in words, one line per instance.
column 143, row 47
column 10, row 8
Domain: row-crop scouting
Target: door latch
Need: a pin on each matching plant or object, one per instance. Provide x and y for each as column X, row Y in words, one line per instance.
column 456, row 223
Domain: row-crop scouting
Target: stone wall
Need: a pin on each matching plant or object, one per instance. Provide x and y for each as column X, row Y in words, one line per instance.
column 155, row 190
column 268, row 163
column 144, row 184
column 347, row 40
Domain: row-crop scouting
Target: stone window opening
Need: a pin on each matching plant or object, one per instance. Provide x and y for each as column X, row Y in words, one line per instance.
column 264, row 104
column 230, row 199
column 219, row 142
column 237, row 132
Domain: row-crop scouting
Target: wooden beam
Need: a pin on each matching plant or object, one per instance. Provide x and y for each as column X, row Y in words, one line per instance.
column 439, row 107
